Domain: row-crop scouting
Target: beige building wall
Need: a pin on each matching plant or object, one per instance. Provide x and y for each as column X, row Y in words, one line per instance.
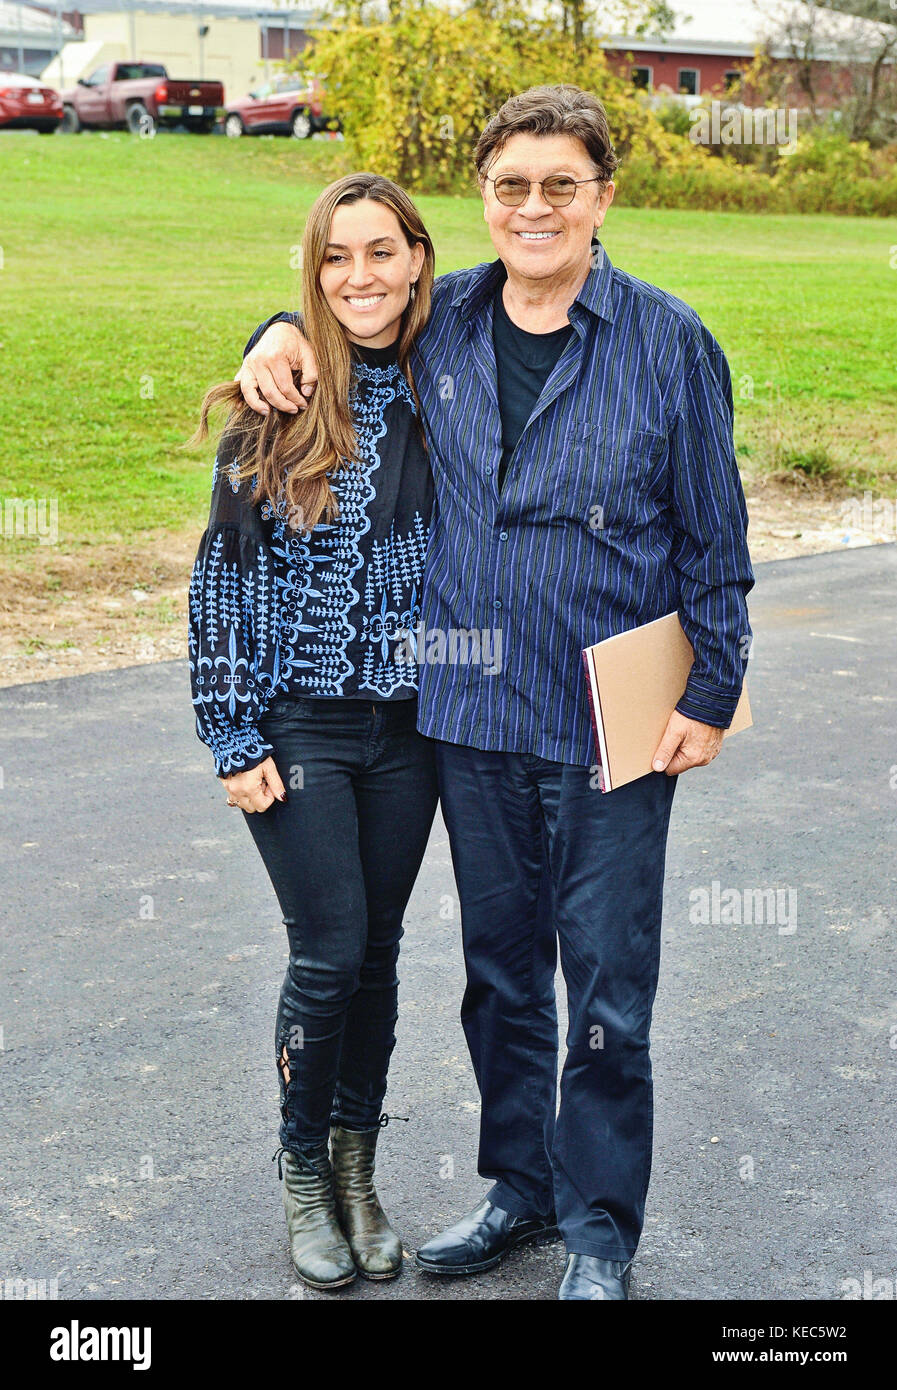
column 75, row 60
column 229, row 52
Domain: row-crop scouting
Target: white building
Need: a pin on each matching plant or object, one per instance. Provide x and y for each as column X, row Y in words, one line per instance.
column 226, row 40
column 29, row 37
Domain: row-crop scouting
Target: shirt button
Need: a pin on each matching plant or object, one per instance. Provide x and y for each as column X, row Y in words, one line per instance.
column 496, row 603
column 488, row 472
column 503, row 535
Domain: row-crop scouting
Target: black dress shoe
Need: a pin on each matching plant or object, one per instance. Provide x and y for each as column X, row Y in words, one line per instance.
column 479, row 1241
column 588, row 1278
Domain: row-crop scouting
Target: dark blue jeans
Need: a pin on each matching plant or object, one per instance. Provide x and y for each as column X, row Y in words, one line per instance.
column 342, row 854
column 544, row 858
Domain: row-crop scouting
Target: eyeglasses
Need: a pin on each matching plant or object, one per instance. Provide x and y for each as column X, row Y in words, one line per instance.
column 557, row 189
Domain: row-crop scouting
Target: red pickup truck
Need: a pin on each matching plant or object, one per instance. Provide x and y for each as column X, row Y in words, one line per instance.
column 140, row 97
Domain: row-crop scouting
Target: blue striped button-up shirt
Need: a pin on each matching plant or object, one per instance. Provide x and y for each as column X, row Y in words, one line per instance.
column 622, row 502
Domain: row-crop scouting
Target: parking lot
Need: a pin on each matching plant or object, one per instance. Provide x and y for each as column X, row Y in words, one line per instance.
column 146, row 953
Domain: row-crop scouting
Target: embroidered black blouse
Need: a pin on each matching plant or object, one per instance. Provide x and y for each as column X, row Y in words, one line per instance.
column 327, row 613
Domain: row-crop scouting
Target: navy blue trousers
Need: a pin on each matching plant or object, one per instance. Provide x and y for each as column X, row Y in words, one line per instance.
column 543, row 859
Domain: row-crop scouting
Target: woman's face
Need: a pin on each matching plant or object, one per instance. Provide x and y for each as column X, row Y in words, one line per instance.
column 368, row 270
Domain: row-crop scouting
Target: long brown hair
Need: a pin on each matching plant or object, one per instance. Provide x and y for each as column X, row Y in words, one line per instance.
column 291, row 454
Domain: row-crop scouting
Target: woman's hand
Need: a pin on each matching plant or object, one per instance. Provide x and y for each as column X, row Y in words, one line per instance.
column 266, row 376
column 256, row 789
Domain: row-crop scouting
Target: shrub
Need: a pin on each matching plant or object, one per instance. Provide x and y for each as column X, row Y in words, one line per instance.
column 414, row 92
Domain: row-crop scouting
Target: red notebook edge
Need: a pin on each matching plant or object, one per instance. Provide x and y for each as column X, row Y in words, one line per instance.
column 603, row 778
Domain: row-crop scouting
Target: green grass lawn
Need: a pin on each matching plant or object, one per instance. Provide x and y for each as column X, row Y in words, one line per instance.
column 133, row 271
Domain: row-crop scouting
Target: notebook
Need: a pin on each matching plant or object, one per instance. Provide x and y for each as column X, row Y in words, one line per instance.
column 635, row 681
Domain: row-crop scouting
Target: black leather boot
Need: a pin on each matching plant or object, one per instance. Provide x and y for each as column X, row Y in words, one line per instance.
column 480, row 1240
column 375, row 1247
column 318, row 1247
column 587, row 1277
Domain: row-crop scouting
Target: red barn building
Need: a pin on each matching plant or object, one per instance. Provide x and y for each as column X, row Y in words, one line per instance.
column 713, row 41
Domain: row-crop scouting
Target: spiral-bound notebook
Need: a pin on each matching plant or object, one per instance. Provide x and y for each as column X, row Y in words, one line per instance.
column 635, row 681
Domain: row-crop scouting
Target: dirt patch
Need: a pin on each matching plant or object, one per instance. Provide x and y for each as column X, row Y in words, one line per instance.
column 797, row 515
column 92, row 608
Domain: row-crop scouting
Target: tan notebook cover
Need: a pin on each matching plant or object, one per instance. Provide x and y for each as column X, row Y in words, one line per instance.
column 635, row 681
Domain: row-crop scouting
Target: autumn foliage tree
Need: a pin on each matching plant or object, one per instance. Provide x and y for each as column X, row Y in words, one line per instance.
column 415, row 85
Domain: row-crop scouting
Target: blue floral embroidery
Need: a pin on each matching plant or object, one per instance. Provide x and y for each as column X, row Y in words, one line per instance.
column 394, row 571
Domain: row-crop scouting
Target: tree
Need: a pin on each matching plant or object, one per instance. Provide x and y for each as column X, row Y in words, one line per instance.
column 875, row 103
column 636, row 18
column 863, row 35
column 415, row 87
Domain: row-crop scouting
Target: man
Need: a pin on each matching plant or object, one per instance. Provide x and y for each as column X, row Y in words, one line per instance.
column 580, row 431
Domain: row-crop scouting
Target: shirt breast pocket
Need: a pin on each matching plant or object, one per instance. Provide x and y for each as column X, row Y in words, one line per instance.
column 620, row 479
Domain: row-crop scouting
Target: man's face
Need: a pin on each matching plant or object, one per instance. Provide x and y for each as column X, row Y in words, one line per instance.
column 535, row 240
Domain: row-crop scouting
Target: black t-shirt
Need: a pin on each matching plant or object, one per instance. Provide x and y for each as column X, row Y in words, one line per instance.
column 524, row 362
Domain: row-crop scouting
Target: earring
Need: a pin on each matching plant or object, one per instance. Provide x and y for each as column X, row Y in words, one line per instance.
column 413, row 292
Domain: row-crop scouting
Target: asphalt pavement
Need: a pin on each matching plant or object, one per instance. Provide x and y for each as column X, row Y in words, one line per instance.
column 143, row 951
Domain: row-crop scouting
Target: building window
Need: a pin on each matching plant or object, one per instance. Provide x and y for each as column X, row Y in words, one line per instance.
column 689, row 81
column 642, row 77
column 732, row 79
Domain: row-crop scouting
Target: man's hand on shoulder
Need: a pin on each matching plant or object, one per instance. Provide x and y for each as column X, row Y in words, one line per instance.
column 266, row 376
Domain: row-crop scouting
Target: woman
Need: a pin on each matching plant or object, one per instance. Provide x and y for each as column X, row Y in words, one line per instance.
column 304, row 603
